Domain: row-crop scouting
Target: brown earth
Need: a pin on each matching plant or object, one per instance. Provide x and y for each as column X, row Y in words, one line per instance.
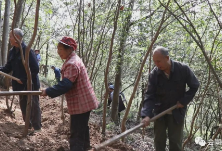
column 54, row 134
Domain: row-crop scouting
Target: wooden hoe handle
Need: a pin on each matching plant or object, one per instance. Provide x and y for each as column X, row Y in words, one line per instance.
column 117, row 137
column 9, row 76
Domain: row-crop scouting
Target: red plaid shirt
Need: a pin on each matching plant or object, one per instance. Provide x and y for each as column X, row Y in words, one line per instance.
column 81, row 98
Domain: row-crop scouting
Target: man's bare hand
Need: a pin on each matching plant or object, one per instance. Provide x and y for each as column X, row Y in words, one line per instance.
column 179, row 105
column 19, row 81
column 146, row 121
column 43, row 93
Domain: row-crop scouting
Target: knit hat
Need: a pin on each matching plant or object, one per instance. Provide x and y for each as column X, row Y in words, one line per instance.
column 69, row 42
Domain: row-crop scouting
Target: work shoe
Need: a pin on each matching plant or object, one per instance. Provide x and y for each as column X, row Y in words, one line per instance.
column 32, row 132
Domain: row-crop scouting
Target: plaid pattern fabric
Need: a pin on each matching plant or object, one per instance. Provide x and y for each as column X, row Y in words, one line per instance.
column 81, row 98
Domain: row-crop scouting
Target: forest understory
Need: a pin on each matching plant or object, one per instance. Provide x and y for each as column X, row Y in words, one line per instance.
column 54, row 134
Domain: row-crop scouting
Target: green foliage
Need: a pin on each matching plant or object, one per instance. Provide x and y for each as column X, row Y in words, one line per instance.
column 185, row 38
column 110, row 126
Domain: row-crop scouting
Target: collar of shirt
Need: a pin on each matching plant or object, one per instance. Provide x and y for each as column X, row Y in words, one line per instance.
column 17, row 49
column 22, row 44
column 172, row 68
column 70, row 56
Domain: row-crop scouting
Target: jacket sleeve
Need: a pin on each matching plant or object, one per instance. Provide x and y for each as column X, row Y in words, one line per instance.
column 149, row 100
column 8, row 67
column 193, row 85
column 61, row 88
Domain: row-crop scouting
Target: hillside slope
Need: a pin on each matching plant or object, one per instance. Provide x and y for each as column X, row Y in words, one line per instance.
column 54, row 134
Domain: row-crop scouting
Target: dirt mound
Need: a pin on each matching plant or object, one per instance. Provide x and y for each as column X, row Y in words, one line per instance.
column 54, row 134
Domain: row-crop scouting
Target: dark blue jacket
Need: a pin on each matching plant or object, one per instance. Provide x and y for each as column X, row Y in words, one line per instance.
column 57, row 72
column 162, row 93
column 61, row 88
column 15, row 65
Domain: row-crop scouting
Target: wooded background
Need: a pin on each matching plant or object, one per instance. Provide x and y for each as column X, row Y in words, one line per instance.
column 115, row 39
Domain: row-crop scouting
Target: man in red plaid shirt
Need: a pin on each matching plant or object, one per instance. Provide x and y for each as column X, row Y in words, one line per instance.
column 79, row 93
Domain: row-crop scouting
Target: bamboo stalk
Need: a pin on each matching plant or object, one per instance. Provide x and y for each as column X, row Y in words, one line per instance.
column 6, row 93
column 115, row 138
column 9, row 76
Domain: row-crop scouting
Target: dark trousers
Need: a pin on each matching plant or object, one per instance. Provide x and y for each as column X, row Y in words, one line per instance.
column 35, row 118
column 57, row 79
column 175, row 133
column 79, row 129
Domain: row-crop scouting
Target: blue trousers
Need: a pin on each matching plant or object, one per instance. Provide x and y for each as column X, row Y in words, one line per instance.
column 35, row 118
column 79, row 129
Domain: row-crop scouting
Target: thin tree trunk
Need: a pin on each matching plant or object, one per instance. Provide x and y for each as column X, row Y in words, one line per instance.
column 88, row 54
column 149, row 69
column 18, row 9
column 120, row 58
column 25, row 62
column 0, row 19
column 83, row 31
column 96, row 52
column 107, row 67
column 25, row 15
column 5, row 33
column 117, row 85
column 143, row 88
column 79, row 30
column 46, row 60
column 123, row 124
column 27, row 69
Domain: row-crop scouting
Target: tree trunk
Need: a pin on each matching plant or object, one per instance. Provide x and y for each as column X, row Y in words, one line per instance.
column 143, row 89
column 123, row 124
column 117, row 85
column 5, row 33
column 46, row 60
column 27, row 69
column 123, row 38
column 79, row 30
column 1, row 22
column 107, row 67
column 19, row 8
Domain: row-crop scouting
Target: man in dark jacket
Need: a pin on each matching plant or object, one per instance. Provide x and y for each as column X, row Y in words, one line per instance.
column 167, row 87
column 121, row 106
column 57, row 73
column 15, row 65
